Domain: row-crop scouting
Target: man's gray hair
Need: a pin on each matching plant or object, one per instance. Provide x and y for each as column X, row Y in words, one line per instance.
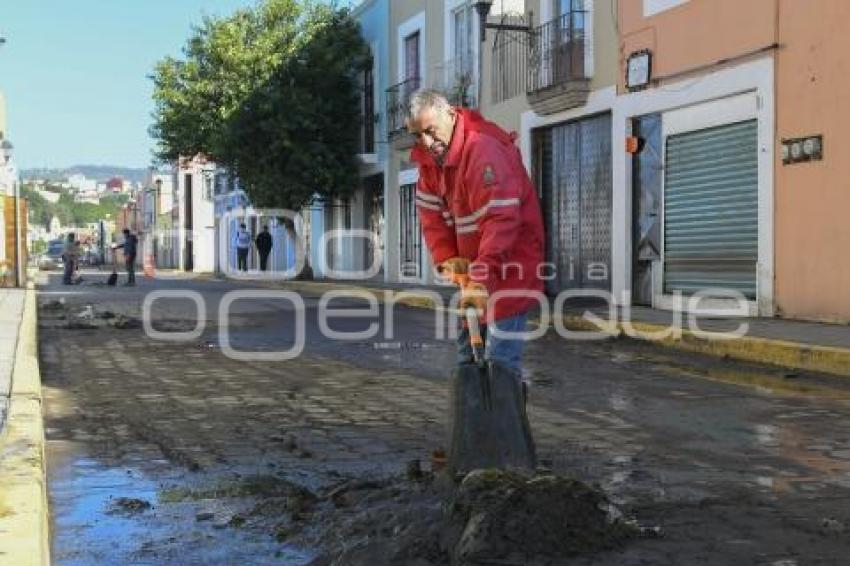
column 426, row 98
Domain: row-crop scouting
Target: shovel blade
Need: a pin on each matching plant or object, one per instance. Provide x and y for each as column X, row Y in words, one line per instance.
column 488, row 425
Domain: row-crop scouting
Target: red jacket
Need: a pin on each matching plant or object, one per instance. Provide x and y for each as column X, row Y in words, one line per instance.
column 481, row 205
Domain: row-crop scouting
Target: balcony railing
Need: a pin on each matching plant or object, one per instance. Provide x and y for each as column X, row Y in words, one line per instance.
column 558, row 52
column 510, row 59
column 456, row 78
column 398, row 98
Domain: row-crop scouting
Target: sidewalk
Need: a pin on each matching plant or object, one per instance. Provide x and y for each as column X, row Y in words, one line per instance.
column 11, row 311
column 792, row 344
column 23, row 490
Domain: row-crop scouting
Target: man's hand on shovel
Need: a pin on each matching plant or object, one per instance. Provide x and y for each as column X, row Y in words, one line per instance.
column 473, row 294
column 454, row 267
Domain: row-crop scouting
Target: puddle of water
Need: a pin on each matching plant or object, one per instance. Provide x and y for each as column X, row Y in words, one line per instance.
column 89, row 528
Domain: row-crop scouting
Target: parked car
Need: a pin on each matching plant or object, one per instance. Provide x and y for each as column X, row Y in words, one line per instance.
column 52, row 258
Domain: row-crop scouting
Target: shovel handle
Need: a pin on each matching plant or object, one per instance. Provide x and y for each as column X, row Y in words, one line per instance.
column 471, row 314
column 475, row 335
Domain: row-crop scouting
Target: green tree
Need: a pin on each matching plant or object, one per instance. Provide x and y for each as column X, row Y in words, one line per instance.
column 39, row 207
column 226, row 59
column 298, row 135
column 68, row 212
column 269, row 92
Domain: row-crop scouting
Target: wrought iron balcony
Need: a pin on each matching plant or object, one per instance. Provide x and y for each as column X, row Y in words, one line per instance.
column 557, row 75
column 398, row 99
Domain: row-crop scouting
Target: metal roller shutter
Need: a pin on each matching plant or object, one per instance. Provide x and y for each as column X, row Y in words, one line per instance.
column 711, row 210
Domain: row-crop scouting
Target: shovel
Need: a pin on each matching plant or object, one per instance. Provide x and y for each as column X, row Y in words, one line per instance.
column 489, row 426
column 113, row 277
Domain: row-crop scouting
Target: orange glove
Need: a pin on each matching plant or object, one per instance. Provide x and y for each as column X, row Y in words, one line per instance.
column 454, row 266
column 455, row 269
column 474, row 295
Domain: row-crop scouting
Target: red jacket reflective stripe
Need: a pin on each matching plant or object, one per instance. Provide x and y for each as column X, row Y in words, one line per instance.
column 481, row 205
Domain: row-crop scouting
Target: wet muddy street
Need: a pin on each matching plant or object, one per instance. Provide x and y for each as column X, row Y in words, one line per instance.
column 163, row 452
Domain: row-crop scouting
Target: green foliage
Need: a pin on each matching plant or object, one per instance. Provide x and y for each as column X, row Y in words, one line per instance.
column 225, row 60
column 68, row 212
column 37, row 206
column 271, row 93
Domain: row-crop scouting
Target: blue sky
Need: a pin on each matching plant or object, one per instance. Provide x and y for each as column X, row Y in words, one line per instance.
column 74, row 74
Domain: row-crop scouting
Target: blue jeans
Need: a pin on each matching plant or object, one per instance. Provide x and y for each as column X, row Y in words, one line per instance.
column 506, row 351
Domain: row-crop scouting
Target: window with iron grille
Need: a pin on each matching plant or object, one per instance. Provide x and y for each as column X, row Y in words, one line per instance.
column 398, row 96
column 411, row 56
column 459, row 80
column 410, row 260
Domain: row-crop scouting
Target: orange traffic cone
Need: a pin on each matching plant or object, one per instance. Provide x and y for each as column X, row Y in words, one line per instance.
column 148, row 267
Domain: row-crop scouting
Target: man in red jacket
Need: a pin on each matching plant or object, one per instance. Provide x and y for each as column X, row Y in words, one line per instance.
column 480, row 215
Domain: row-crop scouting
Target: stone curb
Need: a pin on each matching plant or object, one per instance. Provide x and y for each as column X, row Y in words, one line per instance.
column 24, row 527
column 793, row 355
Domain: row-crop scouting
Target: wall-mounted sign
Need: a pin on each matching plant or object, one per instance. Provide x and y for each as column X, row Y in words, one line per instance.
column 798, row 150
column 638, row 70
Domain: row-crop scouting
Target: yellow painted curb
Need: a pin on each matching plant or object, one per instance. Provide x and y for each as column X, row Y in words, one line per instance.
column 24, row 531
column 825, row 359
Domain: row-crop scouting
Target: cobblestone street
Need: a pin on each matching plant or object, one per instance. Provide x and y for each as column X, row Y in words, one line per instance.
column 734, row 463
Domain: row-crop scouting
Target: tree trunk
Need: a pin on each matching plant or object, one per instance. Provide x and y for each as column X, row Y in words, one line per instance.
column 302, row 250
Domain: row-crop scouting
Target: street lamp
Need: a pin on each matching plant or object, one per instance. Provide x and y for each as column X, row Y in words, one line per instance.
column 483, row 9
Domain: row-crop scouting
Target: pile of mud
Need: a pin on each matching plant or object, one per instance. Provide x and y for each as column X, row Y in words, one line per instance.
column 491, row 517
column 62, row 315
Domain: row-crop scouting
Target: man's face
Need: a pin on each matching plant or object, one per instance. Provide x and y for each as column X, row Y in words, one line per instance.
column 433, row 128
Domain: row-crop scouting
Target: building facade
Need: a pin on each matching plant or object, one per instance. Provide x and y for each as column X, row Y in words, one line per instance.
column 678, row 146
column 564, row 117
column 812, row 199
column 196, row 241
column 695, row 199
column 546, row 70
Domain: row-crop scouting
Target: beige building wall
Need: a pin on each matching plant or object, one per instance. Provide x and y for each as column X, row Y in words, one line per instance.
column 813, row 199
column 712, row 65
column 605, row 40
column 695, row 34
column 808, row 43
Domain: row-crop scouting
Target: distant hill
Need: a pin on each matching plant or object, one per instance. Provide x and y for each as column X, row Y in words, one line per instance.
column 97, row 172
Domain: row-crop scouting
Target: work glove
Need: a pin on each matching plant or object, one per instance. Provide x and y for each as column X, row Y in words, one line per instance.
column 474, row 295
column 454, row 266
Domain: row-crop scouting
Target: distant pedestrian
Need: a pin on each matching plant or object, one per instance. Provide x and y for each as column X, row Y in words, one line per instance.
column 70, row 257
column 264, row 246
column 243, row 246
column 130, row 245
